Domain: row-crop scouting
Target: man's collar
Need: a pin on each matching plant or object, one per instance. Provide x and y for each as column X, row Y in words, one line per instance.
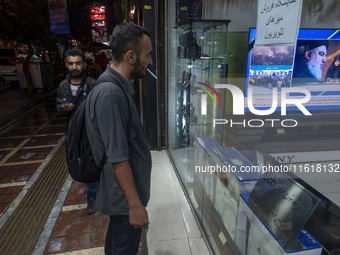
column 120, row 77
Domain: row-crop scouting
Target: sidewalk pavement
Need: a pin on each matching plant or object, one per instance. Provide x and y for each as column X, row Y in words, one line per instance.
column 14, row 103
column 27, row 145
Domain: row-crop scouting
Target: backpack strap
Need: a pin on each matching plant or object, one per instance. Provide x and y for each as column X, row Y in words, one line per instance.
column 114, row 81
column 102, row 162
column 88, row 84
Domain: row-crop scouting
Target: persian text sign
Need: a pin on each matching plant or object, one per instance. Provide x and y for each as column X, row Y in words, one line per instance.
column 59, row 16
column 278, row 21
column 283, row 205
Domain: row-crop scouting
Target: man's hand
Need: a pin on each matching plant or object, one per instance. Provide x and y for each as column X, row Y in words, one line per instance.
column 138, row 216
column 67, row 107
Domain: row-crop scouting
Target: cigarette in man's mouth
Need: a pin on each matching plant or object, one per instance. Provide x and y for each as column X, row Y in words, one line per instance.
column 154, row 76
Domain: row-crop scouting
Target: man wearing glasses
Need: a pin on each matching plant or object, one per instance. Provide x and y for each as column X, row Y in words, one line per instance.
column 70, row 94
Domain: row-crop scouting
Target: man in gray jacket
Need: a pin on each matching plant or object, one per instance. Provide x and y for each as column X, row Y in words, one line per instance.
column 113, row 126
column 70, row 94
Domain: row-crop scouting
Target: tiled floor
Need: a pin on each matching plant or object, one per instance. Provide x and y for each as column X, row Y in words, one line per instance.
column 74, row 229
column 173, row 229
column 24, row 147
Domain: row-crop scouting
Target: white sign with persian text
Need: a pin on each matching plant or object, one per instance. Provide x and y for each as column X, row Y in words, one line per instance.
column 278, row 21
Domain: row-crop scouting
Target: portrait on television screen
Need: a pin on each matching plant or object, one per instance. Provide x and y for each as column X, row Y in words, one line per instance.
column 316, row 62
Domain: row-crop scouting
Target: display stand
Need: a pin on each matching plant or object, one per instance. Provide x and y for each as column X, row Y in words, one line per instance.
column 271, row 217
column 201, row 62
column 232, row 181
column 254, row 238
column 204, row 179
column 205, row 184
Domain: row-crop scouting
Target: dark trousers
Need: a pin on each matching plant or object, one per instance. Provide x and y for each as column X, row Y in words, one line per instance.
column 121, row 237
column 92, row 189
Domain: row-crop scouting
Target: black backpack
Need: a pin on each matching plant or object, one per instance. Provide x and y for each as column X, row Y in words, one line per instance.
column 80, row 162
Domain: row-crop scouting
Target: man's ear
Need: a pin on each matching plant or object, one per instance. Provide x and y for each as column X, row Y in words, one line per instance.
column 308, row 53
column 131, row 57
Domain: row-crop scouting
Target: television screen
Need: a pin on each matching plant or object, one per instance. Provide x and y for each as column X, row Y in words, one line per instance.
column 312, row 64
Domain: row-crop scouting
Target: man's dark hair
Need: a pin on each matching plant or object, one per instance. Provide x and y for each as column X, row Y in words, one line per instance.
column 125, row 37
column 75, row 52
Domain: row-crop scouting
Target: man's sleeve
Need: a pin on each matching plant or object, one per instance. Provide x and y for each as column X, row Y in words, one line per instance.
column 58, row 105
column 112, row 117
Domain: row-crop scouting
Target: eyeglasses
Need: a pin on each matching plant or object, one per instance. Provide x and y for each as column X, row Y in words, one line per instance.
column 78, row 63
